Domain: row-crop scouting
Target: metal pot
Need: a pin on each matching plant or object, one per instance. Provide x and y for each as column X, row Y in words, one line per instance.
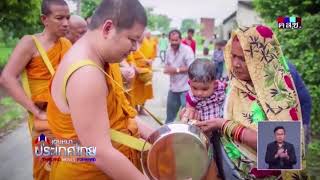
column 177, row 152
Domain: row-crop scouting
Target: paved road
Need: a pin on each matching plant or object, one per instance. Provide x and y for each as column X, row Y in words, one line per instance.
column 15, row 148
column 15, row 155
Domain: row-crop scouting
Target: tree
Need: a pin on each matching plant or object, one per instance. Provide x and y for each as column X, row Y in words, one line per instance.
column 88, row 7
column 19, row 17
column 188, row 23
column 157, row 22
column 302, row 47
column 78, row 6
column 271, row 9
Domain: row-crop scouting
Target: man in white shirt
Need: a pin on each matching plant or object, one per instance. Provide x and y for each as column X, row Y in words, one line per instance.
column 178, row 59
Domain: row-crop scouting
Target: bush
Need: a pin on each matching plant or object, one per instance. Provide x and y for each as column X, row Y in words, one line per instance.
column 313, row 158
column 4, row 55
column 302, row 47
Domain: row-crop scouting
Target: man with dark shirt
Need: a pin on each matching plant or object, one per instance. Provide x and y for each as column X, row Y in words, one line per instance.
column 280, row 154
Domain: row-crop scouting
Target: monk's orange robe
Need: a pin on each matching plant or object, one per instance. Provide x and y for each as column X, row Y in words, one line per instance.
column 38, row 77
column 121, row 116
column 140, row 91
column 155, row 42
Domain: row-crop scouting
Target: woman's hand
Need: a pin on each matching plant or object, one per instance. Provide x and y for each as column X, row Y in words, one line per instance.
column 210, row 125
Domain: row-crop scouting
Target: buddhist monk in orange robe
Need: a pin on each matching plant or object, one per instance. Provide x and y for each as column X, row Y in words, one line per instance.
column 141, row 89
column 26, row 60
column 85, row 103
column 155, row 42
column 121, row 118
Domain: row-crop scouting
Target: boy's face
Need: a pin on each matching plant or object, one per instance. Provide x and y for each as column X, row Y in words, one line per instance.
column 202, row 90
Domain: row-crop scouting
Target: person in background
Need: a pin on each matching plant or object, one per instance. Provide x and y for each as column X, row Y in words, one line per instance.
column 163, row 46
column 155, row 41
column 190, row 41
column 205, row 55
column 179, row 57
column 77, row 28
column 218, row 58
column 141, row 60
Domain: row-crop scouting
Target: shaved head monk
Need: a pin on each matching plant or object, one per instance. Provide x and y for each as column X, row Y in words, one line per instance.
column 27, row 61
column 142, row 61
column 85, row 103
column 77, row 28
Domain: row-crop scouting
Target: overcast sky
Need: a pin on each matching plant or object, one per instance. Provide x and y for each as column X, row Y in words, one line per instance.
column 181, row 9
column 178, row 10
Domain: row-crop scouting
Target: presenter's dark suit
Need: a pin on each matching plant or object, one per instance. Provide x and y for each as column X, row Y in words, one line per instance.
column 280, row 163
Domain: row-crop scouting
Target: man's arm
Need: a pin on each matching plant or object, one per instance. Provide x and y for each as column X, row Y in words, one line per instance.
column 18, row 60
column 188, row 59
column 195, row 47
column 292, row 155
column 270, row 155
column 88, row 107
column 172, row 70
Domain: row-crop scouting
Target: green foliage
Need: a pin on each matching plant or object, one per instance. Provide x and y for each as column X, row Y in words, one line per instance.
column 200, row 41
column 4, row 55
column 11, row 111
column 313, row 158
column 158, row 22
column 302, row 47
column 88, row 7
column 270, row 9
column 155, row 21
column 19, row 17
column 188, row 23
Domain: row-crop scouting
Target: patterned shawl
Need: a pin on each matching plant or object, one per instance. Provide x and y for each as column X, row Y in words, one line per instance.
column 272, row 97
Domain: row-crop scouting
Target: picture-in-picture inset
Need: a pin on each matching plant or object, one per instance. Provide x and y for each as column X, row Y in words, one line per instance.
column 279, row 145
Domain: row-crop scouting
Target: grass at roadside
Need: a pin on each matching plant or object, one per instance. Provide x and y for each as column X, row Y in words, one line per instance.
column 10, row 111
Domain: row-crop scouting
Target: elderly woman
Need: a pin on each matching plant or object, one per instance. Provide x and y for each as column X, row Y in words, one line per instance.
column 261, row 89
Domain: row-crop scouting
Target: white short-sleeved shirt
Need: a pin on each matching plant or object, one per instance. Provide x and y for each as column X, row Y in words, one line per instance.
column 183, row 57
